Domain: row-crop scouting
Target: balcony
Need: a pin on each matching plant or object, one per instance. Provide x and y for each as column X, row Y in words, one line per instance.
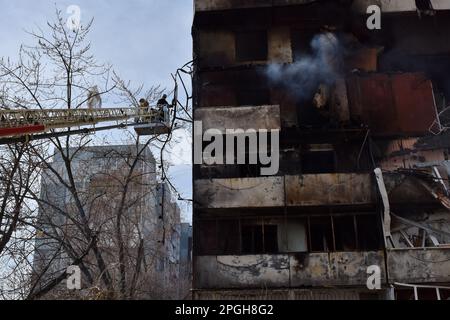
column 382, row 100
column 237, row 193
column 219, row 48
column 266, row 192
column 223, row 118
column 285, row 270
column 431, row 265
column 329, row 189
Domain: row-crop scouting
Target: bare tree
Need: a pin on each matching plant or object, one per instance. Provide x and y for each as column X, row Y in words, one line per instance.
column 19, row 176
column 59, row 72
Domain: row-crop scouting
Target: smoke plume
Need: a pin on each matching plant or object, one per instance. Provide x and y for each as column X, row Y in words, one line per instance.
column 322, row 66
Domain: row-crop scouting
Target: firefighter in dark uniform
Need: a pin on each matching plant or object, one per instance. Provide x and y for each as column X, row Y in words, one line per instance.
column 163, row 107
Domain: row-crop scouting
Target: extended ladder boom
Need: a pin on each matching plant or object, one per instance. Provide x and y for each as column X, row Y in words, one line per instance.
column 17, row 123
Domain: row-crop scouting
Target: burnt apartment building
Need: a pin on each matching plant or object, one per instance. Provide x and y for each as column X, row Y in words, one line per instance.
column 154, row 242
column 364, row 150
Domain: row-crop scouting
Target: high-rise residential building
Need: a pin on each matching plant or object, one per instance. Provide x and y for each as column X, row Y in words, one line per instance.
column 359, row 208
column 112, row 183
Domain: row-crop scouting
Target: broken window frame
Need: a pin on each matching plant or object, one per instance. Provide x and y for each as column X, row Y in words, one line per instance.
column 426, row 238
column 358, row 247
column 261, row 221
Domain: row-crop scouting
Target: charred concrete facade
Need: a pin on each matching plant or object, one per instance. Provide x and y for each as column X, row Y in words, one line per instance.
column 364, row 169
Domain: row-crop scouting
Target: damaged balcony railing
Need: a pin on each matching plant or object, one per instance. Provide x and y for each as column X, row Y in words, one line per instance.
column 416, row 289
column 435, row 185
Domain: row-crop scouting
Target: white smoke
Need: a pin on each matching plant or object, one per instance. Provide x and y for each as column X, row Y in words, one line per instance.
column 322, row 66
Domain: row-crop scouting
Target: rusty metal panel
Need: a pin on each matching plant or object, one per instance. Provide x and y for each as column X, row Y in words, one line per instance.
column 255, row 271
column 335, row 268
column 240, row 193
column 396, row 104
column 339, row 101
column 414, row 101
column 329, row 189
column 372, row 102
column 260, row 117
column 419, row 266
column 365, row 59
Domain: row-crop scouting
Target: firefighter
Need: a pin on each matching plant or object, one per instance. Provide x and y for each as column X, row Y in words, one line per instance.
column 163, row 100
column 163, row 107
column 143, row 109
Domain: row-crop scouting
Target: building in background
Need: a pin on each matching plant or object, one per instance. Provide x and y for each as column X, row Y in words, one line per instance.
column 186, row 246
column 150, row 224
column 186, row 259
column 347, row 101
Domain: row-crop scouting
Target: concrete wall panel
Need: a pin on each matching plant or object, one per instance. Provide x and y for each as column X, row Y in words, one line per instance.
column 237, row 193
column 242, row 271
column 279, row 271
column 335, row 268
column 329, row 189
column 261, row 117
column 419, row 266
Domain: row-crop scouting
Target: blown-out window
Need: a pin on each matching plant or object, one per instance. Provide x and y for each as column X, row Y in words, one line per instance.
column 259, row 238
column 301, row 42
column 272, row 235
column 251, row 45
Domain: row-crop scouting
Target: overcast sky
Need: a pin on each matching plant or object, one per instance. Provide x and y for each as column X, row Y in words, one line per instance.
column 145, row 41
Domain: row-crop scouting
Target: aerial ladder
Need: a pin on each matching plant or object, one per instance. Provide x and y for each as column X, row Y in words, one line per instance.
column 24, row 125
